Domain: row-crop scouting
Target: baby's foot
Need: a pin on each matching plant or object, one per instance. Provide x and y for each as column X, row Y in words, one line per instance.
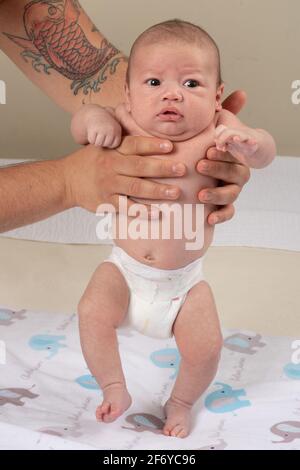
column 116, row 400
column 178, row 419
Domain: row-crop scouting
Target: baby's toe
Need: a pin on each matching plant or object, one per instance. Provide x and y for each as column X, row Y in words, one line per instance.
column 102, row 411
column 114, row 412
column 179, row 431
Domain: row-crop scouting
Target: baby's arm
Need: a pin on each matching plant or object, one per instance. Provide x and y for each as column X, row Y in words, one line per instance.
column 254, row 147
column 92, row 124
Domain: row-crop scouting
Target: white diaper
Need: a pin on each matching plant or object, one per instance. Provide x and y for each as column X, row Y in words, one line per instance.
column 156, row 295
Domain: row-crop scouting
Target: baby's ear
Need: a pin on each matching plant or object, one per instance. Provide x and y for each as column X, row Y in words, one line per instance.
column 127, row 98
column 219, row 94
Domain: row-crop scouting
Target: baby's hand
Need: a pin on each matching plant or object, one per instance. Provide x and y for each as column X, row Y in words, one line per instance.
column 241, row 143
column 103, row 130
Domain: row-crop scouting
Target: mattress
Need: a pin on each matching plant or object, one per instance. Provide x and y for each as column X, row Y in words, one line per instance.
column 48, row 396
column 267, row 214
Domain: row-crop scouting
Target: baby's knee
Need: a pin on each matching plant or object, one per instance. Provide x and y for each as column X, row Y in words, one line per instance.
column 99, row 311
column 209, row 353
column 215, row 348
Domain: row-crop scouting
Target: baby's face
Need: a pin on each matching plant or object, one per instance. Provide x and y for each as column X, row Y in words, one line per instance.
column 173, row 90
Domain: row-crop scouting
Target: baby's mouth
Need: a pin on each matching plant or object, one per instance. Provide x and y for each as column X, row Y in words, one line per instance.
column 170, row 114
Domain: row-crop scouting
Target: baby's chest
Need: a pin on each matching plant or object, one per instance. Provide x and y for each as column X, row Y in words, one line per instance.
column 190, row 153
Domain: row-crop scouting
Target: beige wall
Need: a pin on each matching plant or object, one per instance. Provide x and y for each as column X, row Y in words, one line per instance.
column 259, row 42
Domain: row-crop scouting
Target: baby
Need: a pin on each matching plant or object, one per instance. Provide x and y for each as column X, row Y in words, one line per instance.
column 173, row 91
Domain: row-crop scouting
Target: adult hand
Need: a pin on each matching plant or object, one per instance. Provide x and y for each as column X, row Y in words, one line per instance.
column 94, row 176
column 225, row 168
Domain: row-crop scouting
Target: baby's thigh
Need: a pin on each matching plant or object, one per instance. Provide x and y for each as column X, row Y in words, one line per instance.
column 106, row 297
column 197, row 328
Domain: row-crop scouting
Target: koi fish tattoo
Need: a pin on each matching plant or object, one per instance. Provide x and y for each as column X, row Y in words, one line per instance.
column 55, row 40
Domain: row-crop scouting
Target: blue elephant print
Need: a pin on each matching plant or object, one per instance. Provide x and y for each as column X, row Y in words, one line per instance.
column 292, row 370
column 167, row 359
column 88, row 381
column 246, row 344
column 7, row 316
column 225, row 399
column 47, row 343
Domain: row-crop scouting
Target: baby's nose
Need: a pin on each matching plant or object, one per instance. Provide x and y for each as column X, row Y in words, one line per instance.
column 173, row 93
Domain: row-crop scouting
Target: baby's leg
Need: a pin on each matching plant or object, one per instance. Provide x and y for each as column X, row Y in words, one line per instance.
column 199, row 340
column 101, row 310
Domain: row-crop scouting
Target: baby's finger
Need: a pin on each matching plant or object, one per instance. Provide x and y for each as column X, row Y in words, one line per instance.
column 219, row 130
column 225, row 137
column 116, row 141
column 99, row 141
column 92, row 136
column 241, row 137
column 109, row 138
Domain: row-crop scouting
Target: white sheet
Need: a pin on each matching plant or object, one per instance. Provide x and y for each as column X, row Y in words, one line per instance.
column 53, row 411
column 267, row 214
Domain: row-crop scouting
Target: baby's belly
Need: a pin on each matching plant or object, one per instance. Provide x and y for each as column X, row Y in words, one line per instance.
column 163, row 253
column 179, row 236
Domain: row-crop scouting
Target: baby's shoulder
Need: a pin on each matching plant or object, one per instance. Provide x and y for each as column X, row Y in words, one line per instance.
column 124, row 117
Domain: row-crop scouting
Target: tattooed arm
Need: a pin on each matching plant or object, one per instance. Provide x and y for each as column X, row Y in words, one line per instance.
column 57, row 46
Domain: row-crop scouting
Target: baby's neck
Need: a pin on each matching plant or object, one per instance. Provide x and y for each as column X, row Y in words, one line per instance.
column 131, row 126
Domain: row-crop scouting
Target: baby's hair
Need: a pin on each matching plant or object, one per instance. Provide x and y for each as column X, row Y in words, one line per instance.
column 176, row 31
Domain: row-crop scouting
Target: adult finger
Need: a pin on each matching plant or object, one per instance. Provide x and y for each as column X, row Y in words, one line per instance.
column 137, row 145
column 145, row 189
column 221, row 195
column 221, row 215
column 214, row 154
column 224, row 171
column 135, row 165
column 235, row 102
column 124, row 205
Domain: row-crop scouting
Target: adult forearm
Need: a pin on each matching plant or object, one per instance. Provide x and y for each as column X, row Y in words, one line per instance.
column 30, row 192
column 58, row 47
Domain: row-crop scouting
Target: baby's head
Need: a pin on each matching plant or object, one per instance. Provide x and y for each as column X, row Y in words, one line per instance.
column 173, row 84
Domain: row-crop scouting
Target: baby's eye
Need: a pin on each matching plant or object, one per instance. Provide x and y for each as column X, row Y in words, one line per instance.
column 153, row 82
column 191, row 83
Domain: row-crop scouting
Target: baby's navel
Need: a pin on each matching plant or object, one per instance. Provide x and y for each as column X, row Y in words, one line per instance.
column 149, row 257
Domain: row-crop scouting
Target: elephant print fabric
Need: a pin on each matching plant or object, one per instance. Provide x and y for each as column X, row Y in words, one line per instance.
column 87, row 381
column 14, row 396
column 48, row 397
column 144, row 422
column 8, row 317
column 47, row 343
column 226, row 399
column 292, row 370
column 220, row 445
column 287, row 430
column 168, row 358
column 246, row 344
